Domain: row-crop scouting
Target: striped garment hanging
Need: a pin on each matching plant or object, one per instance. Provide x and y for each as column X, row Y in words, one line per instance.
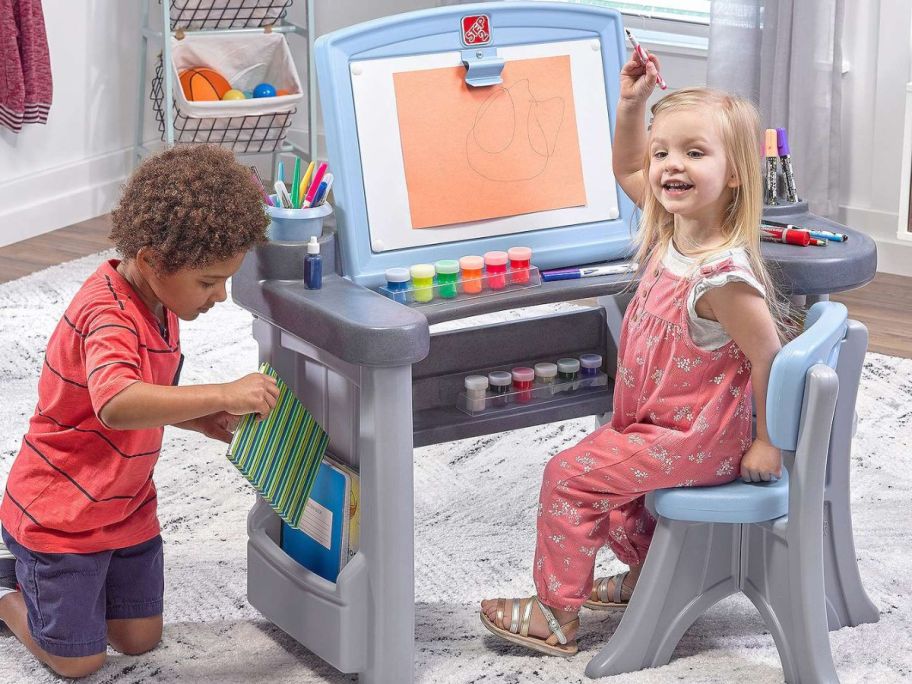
column 281, row 455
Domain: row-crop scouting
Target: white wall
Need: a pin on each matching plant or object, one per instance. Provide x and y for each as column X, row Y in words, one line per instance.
column 71, row 169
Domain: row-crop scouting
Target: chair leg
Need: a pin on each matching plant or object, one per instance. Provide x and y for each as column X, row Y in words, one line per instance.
column 689, row 567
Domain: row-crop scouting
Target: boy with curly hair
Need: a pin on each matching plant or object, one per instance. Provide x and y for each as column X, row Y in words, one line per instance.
column 79, row 510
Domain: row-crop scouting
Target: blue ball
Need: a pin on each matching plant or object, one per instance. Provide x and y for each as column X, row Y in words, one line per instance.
column 264, row 90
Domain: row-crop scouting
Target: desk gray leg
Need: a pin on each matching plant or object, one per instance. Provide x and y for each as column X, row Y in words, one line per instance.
column 387, row 523
column 614, row 306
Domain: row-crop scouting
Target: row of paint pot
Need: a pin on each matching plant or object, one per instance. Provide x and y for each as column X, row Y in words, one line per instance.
column 450, row 277
column 523, row 384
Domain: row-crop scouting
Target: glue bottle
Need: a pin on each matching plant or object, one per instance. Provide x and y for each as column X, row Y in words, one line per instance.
column 313, row 265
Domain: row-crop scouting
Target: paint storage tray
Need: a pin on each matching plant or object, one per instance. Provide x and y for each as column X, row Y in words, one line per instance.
column 462, row 290
column 526, row 398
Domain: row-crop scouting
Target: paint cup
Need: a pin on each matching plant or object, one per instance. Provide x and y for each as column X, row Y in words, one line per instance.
column 472, row 270
column 423, row 282
column 523, row 378
column 545, row 373
column 567, row 370
column 496, row 269
column 500, row 382
column 397, row 284
column 447, row 277
column 590, row 365
column 476, row 387
column 520, row 261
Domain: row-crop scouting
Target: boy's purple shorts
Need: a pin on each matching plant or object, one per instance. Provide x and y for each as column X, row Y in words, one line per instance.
column 70, row 596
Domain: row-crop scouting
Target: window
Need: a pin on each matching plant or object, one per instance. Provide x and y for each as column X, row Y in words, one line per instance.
column 693, row 11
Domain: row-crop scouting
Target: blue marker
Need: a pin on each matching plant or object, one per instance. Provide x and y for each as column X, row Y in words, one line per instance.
column 280, row 172
column 587, row 271
column 321, row 192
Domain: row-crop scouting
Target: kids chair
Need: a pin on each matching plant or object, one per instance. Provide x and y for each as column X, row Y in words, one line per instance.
column 787, row 545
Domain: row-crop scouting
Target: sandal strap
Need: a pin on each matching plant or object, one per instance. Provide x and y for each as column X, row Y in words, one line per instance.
column 601, row 589
column 500, row 613
column 619, row 585
column 514, row 616
column 553, row 624
column 526, row 618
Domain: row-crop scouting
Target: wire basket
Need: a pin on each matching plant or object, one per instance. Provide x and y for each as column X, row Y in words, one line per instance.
column 245, row 134
column 226, row 14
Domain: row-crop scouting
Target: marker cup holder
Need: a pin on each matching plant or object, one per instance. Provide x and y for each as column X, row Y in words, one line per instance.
column 461, row 290
column 539, row 393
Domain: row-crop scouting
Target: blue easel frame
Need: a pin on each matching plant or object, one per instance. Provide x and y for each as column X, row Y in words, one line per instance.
column 434, row 31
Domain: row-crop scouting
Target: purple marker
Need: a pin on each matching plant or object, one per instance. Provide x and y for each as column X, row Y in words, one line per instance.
column 587, row 271
column 783, row 144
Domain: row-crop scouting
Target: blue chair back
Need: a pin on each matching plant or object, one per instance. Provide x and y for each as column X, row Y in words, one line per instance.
column 824, row 332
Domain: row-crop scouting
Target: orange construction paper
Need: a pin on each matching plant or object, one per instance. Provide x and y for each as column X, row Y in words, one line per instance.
column 480, row 153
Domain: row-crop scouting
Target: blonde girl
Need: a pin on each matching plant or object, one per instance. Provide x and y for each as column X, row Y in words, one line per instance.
column 696, row 347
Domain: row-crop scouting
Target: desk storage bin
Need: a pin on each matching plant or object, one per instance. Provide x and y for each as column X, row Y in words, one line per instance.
column 485, row 286
column 296, row 225
column 226, row 14
column 526, row 398
column 329, row 618
column 245, row 60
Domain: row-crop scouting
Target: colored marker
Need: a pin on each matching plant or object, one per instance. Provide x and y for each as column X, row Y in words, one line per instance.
column 282, row 195
column 771, row 150
column 321, row 191
column 786, row 158
column 587, row 271
column 280, row 172
column 259, row 183
column 295, row 182
column 791, row 236
column 328, row 179
column 314, row 186
column 815, row 232
column 305, row 183
column 644, row 58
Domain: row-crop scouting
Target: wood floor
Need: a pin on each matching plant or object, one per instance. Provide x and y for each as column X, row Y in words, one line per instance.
column 884, row 304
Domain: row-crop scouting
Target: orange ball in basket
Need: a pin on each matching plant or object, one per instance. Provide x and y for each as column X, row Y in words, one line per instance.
column 202, row 84
column 283, row 91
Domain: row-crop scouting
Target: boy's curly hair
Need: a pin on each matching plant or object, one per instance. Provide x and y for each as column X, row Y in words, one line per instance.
column 194, row 205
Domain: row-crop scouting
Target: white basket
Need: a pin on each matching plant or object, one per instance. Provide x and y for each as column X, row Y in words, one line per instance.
column 226, row 14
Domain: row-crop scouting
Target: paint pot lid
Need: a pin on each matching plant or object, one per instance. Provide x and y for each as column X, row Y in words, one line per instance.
column 591, row 360
column 546, row 369
column 520, row 253
column 500, row 378
column 423, row 271
column 495, row 258
column 523, row 374
column 447, row 266
column 397, row 275
column 476, row 382
column 471, row 263
column 568, row 365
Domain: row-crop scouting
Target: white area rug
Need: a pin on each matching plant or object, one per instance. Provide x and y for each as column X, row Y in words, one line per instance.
column 474, row 537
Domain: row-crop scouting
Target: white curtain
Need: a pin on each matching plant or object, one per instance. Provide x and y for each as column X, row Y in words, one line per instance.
column 786, row 55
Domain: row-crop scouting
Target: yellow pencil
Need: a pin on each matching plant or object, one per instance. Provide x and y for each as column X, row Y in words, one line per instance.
column 305, row 183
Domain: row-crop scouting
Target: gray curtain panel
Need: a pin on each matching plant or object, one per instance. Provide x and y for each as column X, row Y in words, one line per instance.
column 786, row 55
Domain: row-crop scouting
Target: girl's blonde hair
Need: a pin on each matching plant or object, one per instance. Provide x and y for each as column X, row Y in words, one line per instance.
column 739, row 123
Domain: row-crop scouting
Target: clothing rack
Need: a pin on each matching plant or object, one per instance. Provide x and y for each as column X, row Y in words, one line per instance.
column 238, row 24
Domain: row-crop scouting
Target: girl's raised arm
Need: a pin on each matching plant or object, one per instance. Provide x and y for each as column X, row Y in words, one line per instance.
column 629, row 148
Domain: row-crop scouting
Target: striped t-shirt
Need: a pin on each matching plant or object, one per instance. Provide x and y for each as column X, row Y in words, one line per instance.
column 78, row 486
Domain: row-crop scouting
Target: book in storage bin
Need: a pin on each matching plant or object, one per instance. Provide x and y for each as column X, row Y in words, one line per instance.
column 245, row 60
column 226, row 14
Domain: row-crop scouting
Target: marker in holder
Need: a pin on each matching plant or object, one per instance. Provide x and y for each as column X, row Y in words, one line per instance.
column 504, row 395
column 426, row 290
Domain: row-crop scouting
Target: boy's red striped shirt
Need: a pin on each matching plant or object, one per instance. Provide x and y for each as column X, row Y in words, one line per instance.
column 78, row 486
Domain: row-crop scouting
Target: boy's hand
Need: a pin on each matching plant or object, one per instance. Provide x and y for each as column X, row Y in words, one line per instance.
column 254, row 393
column 220, row 426
column 638, row 81
column 761, row 462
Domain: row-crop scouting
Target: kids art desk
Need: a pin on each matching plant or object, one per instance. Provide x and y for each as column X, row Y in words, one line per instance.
column 451, row 131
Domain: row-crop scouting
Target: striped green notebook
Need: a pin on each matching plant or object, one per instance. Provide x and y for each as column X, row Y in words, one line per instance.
column 281, row 455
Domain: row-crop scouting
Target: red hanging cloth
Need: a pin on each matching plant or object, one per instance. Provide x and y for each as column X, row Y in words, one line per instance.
column 26, row 86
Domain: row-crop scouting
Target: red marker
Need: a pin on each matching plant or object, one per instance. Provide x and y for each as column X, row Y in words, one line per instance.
column 644, row 58
column 314, row 185
column 790, row 236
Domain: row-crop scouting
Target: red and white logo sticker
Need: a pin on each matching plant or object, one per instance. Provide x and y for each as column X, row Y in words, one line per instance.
column 476, row 29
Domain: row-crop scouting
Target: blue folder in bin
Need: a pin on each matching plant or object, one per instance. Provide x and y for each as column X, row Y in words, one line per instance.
column 321, row 541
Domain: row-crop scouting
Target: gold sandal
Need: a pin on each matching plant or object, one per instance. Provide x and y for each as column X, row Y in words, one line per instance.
column 517, row 629
column 617, row 600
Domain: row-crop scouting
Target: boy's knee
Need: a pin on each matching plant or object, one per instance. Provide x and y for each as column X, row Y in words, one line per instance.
column 136, row 645
column 75, row 668
column 135, row 636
